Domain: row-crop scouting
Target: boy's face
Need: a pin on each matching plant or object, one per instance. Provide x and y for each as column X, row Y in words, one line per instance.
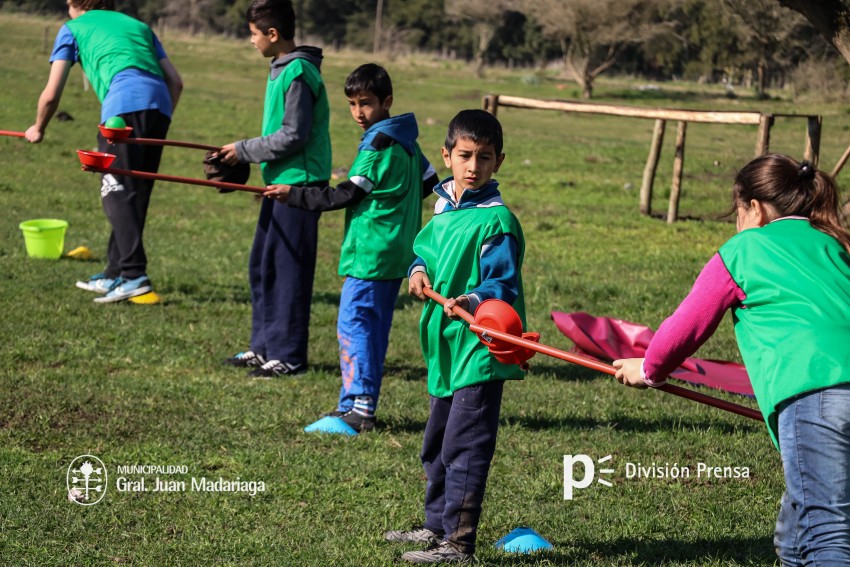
column 367, row 110
column 264, row 43
column 472, row 163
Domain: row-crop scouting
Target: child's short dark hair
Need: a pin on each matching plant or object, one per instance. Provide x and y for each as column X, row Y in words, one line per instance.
column 369, row 77
column 277, row 14
column 87, row 5
column 477, row 125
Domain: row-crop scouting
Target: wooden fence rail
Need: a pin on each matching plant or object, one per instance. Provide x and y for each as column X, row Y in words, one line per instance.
column 491, row 104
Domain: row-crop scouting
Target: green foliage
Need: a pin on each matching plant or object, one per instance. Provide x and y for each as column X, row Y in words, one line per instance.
column 706, row 40
column 144, row 384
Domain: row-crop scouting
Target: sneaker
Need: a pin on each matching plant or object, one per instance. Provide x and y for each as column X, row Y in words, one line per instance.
column 356, row 420
column 416, row 535
column 275, row 368
column 98, row 283
column 123, row 288
column 245, row 360
column 443, row 552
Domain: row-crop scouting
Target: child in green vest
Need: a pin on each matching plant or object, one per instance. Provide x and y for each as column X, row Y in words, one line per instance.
column 383, row 213
column 786, row 278
column 470, row 251
column 134, row 80
column 294, row 148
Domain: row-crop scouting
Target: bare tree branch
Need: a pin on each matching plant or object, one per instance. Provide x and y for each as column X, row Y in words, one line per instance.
column 593, row 32
column 488, row 16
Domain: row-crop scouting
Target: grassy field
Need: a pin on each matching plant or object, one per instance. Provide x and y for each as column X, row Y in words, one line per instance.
column 137, row 385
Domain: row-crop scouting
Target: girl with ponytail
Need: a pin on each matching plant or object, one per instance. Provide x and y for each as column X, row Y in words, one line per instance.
column 786, row 278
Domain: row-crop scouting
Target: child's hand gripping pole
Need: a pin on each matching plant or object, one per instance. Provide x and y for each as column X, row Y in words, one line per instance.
column 490, row 315
column 594, row 364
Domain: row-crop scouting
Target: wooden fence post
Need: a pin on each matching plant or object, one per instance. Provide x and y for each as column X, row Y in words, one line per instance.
column 841, row 161
column 491, row 104
column 763, row 136
column 812, row 151
column 678, row 167
column 651, row 167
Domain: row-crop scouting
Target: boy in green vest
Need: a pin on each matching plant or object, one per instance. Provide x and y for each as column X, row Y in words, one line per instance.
column 295, row 148
column 133, row 79
column 470, row 251
column 383, row 213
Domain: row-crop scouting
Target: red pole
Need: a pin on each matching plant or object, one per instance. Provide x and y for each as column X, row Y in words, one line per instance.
column 11, row 133
column 156, row 142
column 176, row 179
column 593, row 364
column 462, row 313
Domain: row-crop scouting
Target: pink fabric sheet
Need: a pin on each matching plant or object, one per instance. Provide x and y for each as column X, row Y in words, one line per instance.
column 611, row 339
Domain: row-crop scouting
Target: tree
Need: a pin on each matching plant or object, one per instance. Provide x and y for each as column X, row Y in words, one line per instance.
column 772, row 33
column 830, row 17
column 832, row 20
column 592, row 33
column 487, row 17
column 709, row 40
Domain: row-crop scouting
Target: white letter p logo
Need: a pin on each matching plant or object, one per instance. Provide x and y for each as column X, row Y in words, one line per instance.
column 570, row 481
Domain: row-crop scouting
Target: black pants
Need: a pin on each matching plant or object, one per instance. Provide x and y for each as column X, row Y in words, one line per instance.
column 280, row 270
column 125, row 199
column 460, row 439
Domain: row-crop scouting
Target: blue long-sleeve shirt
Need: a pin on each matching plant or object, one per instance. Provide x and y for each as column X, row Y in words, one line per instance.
column 498, row 257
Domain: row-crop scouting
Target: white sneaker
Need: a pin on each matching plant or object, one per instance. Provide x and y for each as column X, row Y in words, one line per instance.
column 98, row 283
column 125, row 289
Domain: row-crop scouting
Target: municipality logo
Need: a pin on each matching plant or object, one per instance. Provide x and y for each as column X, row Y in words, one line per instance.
column 86, row 480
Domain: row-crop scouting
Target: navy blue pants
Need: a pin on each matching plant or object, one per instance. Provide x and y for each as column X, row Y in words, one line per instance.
column 460, row 439
column 125, row 199
column 280, row 269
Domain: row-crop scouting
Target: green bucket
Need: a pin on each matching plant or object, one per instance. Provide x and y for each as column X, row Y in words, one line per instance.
column 44, row 238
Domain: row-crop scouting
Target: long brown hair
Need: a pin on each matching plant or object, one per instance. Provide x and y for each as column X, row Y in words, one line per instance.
column 793, row 188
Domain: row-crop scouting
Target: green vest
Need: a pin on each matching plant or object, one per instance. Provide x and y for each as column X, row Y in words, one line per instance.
column 450, row 244
column 110, row 42
column 312, row 163
column 793, row 329
column 380, row 229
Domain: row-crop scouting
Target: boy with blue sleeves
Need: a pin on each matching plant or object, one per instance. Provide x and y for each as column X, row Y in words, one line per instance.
column 383, row 212
column 134, row 79
column 471, row 250
column 294, row 148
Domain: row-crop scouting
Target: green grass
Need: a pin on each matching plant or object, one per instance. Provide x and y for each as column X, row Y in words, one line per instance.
column 144, row 385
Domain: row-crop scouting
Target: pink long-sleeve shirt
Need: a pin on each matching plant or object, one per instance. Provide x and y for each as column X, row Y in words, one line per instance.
column 693, row 322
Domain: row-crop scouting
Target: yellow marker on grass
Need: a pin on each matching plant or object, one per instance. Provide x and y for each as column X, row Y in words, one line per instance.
column 149, row 298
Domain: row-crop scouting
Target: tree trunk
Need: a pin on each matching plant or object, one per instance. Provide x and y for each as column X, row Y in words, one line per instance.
column 486, row 32
column 832, row 19
column 761, row 80
column 193, row 16
column 577, row 68
column 376, row 40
